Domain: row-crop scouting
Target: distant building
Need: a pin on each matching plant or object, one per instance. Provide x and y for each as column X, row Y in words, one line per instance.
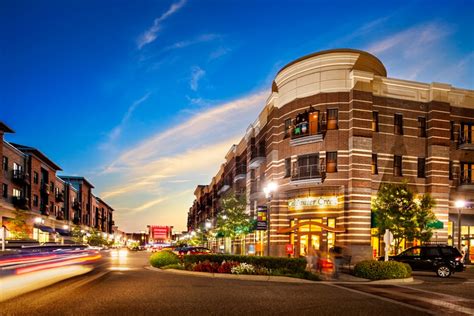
column 160, row 234
column 52, row 203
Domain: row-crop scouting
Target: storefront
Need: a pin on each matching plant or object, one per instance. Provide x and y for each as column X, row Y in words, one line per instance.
column 313, row 223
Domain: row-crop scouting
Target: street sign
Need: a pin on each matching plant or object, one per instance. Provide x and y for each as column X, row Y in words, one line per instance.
column 387, row 239
column 262, row 212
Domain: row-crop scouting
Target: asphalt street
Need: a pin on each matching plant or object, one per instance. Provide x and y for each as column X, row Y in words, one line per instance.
column 124, row 286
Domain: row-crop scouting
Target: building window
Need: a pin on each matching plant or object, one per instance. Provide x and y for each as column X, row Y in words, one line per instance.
column 375, row 168
column 307, row 167
column 421, row 127
column 52, row 186
column 466, row 172
column 331, row 161
column 4, row 190
column 16, row 193
column 287, row 167
column 287, row 127
column 375, row 121
column 35, row 177
column 450, row 170
column 467, row 131
column 5, row 163
column 332, row 119
column 421, row 167
column 397, row 166
column 451, row 130
column 398, row 124
column 35, row 200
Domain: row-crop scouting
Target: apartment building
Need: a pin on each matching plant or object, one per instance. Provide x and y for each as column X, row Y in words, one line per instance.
column 333, row 129
column 52, row 203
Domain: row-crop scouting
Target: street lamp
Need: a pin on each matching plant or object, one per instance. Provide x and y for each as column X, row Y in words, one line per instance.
column 460, row 204
column 269, row 189
column 208, row 225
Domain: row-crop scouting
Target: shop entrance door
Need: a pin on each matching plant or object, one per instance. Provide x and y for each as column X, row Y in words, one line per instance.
column 307, row 240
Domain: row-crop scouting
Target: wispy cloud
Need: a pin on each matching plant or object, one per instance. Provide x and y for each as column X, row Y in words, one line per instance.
column 157, row 177
column 151, row 34
column 197, row 74
column 117, row 130
column 221, row 51
column 411, row 40
column 200, row 39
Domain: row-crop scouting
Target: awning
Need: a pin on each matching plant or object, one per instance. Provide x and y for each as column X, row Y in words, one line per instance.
column 325, row 227
column 45, row 228
column 436, row 225
column 63, row 232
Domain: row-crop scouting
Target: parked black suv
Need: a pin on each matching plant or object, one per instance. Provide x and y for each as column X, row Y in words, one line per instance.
column 442, row 259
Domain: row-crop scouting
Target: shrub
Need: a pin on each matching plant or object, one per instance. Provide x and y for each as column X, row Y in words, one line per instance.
column 290, row 265
column 176, row 266
column 380, row 270
column 163, row 258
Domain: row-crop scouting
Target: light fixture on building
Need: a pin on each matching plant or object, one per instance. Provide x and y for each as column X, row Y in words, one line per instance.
column 460, row 203
column 208, row 225
column 38, row 220
column 65, row 226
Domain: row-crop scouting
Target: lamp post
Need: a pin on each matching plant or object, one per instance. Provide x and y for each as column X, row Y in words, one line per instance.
column 460, row 204
column 269, row 189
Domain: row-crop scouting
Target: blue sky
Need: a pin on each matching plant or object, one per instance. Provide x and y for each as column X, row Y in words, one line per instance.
column 144, row 98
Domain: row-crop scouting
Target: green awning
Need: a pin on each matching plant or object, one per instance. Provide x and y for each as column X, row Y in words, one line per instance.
column 436, row 225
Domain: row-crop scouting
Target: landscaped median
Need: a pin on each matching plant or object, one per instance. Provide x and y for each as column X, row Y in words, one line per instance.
column 233, row 264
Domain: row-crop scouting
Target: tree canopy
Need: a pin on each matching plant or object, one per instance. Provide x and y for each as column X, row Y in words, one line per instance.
column 408, row 217
column 233, row 221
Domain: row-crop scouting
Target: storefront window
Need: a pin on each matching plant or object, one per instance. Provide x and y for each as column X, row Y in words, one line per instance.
column 450, row 233
column 331, row 235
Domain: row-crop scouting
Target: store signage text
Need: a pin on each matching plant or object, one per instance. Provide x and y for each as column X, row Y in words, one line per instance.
column 312, row 202
column 262, row 217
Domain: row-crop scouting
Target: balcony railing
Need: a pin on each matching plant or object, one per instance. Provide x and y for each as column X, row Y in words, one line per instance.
column 20, row 202
column 76, row 205
column 465, row 143
column 60, row 215
column 240, row 172
column 20, row 177
column 45, row 210
column 45, row 188
column 307, row 172
column 257, row 156
column 60, row 197
column 466, row 182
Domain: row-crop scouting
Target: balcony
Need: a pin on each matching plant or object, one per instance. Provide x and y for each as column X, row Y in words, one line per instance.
column 20, row 177
column 20, row 202
column 77, row 206
column 314, row 173
column 466, row 183
column 257, row 157
column 44, row 188
column 225, row 186
column 60, row 215
column 308, row 127
column 45, row 210
column 240, row 172
column 59, row 197
column 465, row 143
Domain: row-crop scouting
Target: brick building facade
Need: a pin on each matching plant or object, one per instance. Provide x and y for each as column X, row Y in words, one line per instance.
column 333, row 129
column 52, row 203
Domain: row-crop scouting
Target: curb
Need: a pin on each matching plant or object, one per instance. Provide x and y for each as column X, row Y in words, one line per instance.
column 393, row 281
column 245, row 277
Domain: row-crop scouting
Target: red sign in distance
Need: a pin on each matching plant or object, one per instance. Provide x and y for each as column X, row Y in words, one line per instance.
column 160, row 232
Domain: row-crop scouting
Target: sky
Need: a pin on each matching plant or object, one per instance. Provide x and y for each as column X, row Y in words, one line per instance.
column 145, row 98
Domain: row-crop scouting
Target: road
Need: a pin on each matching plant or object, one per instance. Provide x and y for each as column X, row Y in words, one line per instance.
column 124, row 286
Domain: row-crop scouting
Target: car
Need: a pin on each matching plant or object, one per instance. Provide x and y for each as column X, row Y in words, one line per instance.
column 444, row 260
column 194, row 251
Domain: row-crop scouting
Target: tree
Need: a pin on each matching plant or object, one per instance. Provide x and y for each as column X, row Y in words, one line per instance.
column 18, row 227
column 233, row 221
column 78, row 235
column 396, row 208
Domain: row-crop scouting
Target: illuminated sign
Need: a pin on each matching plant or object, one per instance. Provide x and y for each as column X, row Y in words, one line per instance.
column 313, row 202
column 160, row 232
column 261, row 217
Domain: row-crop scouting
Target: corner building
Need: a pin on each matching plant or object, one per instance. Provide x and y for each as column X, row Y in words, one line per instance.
column 333, row 129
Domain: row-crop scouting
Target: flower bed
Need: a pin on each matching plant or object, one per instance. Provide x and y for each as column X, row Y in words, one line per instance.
column 382, row 270
column 284, row 265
